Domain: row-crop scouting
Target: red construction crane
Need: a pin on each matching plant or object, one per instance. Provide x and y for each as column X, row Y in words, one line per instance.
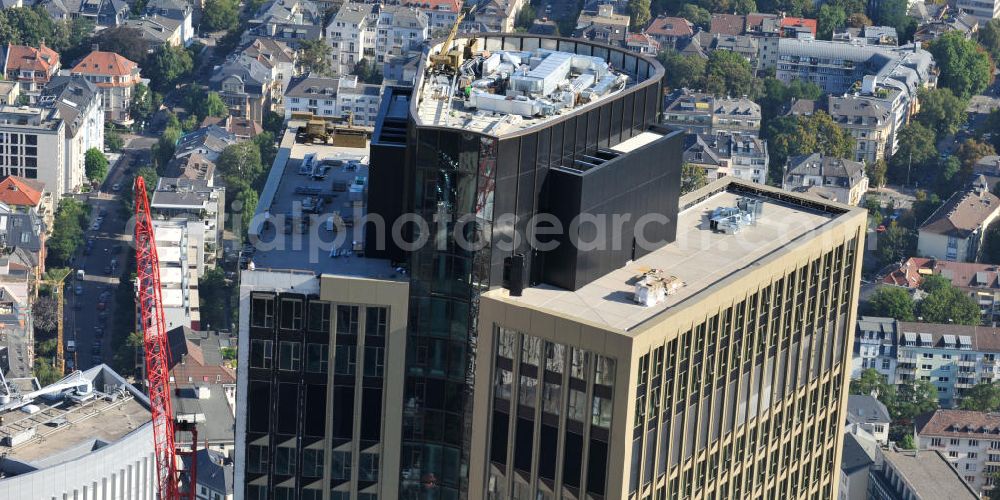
column 157, row 351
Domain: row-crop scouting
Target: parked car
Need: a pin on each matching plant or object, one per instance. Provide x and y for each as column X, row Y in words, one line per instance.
column 70, row 346
column 78, row 290
column 116, row 187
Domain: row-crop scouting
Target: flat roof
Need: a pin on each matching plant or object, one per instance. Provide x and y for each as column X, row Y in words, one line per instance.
column 65, row 430
column 447, row 101
column 699, row 257
column 313, row 249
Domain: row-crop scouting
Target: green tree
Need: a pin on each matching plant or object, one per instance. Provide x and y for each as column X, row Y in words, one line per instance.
column 913, row 398
column 314, row 56
column 893, row 13
column 273, row 123
column 247, row 198
column 266, row 145
column 876, row 172
column 214, row 294
column 981, row 397
column 941, row 110
column 219, row 15
column 45, row 314
column 871, row 382
column 167, row 66
column 858, row 20
column 989, row 38
column 368, row 72
column 113, row 141
column 639, row 11
column 950, row 305
column 971, row 151
column 934, row 283
column 743, row 7
column 682, row 71
column 964, row 66
column 728, row 73
column 241, row 161
column 125, row 41
column 892, row 302
column 895, row 244
column 830, row 18
column 163, row 151
column 916, row 156
column 68, row 226
column 907, row 443
column 775, row 95
column 142, row 105
column 95, row 164
column 795, row 135
column 924, row 205
column 696, row 15
column 525, row 18
column 692, row 178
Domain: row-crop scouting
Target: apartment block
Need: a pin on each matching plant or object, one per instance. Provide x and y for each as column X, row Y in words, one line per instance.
column 956, row 230
column 731, row 382
column 739, row 155
column 33, row 142
column 81, row 106
column 828, row 177
column 29, row 66
column 700, row 113
column 968, row 440
column 873, row 117
column 951, row 357
column 115, row 76
column 374, row 32
column 836, row 66
column 183, row 200
column 341, row 98
column 900, row 473
column 982, row 10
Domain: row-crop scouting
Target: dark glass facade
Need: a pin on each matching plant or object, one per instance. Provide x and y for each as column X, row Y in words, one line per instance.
column 476, row 182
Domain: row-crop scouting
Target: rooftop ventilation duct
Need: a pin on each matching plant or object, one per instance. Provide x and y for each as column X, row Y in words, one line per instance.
column 653, row 287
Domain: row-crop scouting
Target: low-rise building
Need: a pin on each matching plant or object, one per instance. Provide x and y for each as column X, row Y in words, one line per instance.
column 92, row 437
column 737, row 155
column 334, row 98
column 277, row 60
column 970, row 441
column 29, row 66
column 22, row 195
column 374, row 32
column 246, row 89
column 856, row 459
column 983, row 10
column 701, row 113
column 116, row 77
column 215, row 475
column 873, row 117
column 208, row 142
column 499, row 15
column 288, row 21
column 441, row 14
column 205, row 386
column 642, row 43
column 828, row 177
column 18, row 272
column 869, row 414
column 956, row 229
column 911, row 474
column 962, row 22
column 192, row 200
column 670, row 30
column 179, row 11
column 158, row 31
column 603, row 25
column 978, row 281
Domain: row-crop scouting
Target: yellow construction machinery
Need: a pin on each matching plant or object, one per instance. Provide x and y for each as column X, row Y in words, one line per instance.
column 449, row 59
column 55, row 279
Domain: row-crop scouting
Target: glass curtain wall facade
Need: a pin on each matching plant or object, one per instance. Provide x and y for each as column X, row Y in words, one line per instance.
column 476, row 182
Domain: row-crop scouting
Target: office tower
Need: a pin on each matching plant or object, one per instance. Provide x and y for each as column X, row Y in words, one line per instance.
column 715, row 366
column 579, row 136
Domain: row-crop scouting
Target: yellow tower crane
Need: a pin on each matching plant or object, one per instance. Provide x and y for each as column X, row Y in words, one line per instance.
column 55, row 279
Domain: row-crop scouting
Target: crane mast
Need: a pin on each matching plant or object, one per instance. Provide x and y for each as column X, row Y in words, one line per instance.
column 155, row 345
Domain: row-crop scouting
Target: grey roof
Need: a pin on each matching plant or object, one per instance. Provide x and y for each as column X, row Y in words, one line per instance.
column 862, row 409
column 405, row 17
column 214, row 470
column 21, row 231
column 929, row 473
column 282, row 11
column 718, row 147
column 213, row 138
column 70, row 94
column 311, row 86
column 155, row 27
column 353, row 13
column 254, row 76
column 181, row 192
column 855, row 456
column 819, row 165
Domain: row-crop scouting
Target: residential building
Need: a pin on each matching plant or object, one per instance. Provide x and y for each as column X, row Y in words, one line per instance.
column 276, row 59
column 979, row 281
column 701, row 113
column 604, row 26
column 158, row 31
column 856, row 459
column 180, row 246
column 35, row 141
column 204, row 384
column 179, row 11
column 962, row 22
column 18, row 274
column 499, row 15
column 951, row 357
column 338, row 98
column 30, row 67
column 194, row 166
column 10, row 93
column 642, row 43
column 828, row 177
column 441, row 14
column 246, row 89
column 209, row 142
column 215, row 475
column 243, row 129
column 626, row 399
column 918, row 475
column 868, row 413
column 288, row 21
column 956, row 229
column 116, row 77
column 967, row 440
column 743, row 156
column 727, row 24
column 744, row 45
column 836, row 66
column 982, row 10
column 374, row 32
column 81, row 108
column 193, row 200
column 103, row 446
column 871, row 35
column 873, row 117
column 21, row 195
column 670, row 30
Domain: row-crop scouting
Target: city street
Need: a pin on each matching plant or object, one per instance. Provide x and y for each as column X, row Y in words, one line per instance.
column 90, row 309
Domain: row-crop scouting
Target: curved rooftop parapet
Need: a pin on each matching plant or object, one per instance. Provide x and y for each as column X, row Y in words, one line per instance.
column 514, row 83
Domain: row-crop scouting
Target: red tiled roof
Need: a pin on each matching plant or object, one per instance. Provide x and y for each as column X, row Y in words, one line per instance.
column 968, row 276
column 727, row 24
column 17, row 192
column 955, row 423
column 799, row 22
column 21, row 57
column 105, row 63
column 670, row 26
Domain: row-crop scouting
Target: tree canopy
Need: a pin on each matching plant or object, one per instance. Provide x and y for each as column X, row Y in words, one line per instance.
column 989, row 38
column 728, row 73
column 692, row 177
column 168, row 66
column 95, row 164
column 240, row 163
column 950, row 305
column 941, row 110
column 314, row 56
column 892, row 302
column 895, row 243
column 639, row 12
column 964, row 66
column 830, row 18
column 682, row 71
column 67, row 231
column 916, row 156
column 795, row 135
column 696, row 15
column 981, row 397
column 219, row 15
